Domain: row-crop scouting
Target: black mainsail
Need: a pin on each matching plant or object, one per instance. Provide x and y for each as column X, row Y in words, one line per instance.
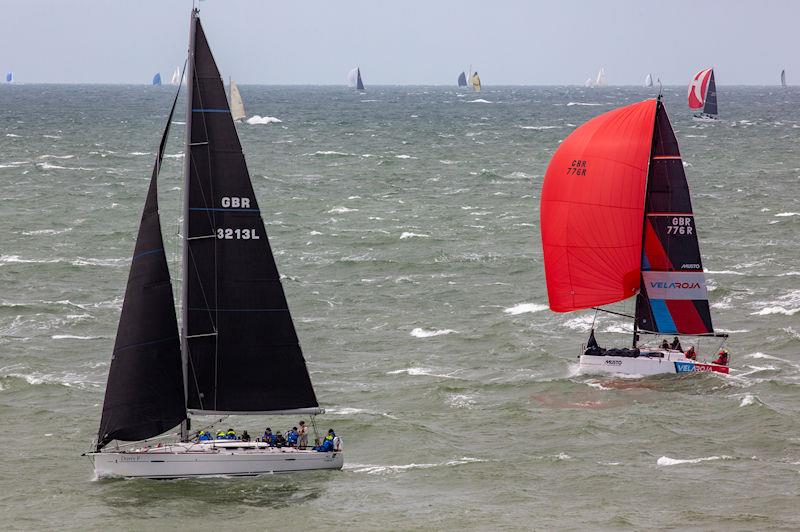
column 359, row 83
column 673, row 298
column 462, row 80
column 144, row 393
column 237, row 351
column 241, row 349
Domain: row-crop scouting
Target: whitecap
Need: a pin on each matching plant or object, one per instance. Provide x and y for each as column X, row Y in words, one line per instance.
column 538, row 128
column 776, row 310
column 74, row 337
column 523, row 308
column 785, row 214
column 479, row 100
column 419, row 332
column 47, row 231
column 381, row 469
column 12, row 135
column 340, row 210
column 748, row 399
column 570, row 104
column 331, row 152
column 51, row 136
column 140, row 153
column 404, row 156
column 56, row 156
column 667, row 461
column 257, row 119
column 174, row 156
column 421, row 372
column 408, row 234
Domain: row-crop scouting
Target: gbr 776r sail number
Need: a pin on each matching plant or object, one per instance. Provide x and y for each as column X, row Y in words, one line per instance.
column 237, row 234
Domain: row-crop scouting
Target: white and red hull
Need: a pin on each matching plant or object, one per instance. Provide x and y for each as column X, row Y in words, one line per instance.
column 653, row 362
column 231, row 458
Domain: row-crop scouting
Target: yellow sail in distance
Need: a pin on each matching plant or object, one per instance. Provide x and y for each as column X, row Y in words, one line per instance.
column 475, row 81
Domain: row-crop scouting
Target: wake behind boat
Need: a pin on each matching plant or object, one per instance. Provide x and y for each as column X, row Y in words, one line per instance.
column 617, row 222
column 237, row 351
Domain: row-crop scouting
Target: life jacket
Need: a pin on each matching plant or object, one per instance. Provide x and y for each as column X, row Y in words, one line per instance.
column 231, row 435
column 221, row 435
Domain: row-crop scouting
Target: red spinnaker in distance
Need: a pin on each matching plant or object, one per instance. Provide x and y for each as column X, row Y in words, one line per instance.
column 698, row 88
column 592, row 209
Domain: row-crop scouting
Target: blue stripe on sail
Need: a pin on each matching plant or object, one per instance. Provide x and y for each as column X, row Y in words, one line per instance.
column 216, row 209
column 211, row 110
column 645, row 262
column 662, row 316
column 241, row 309
column 148, row 252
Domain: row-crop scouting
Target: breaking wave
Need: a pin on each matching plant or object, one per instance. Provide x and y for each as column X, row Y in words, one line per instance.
column 257, row 119
column 425, row 333
column 667, row 461
column 524, row 308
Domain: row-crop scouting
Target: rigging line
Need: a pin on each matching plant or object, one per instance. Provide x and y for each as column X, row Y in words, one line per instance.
column 194, row 377
column 612, row 312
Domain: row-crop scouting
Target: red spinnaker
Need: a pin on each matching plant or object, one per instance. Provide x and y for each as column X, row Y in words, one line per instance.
column 698, row 88
column 592, row 209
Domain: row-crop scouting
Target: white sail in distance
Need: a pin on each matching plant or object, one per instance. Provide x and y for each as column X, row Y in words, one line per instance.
column 176, row 76
column 648, row 81
column 601, row 78
column 237, row 106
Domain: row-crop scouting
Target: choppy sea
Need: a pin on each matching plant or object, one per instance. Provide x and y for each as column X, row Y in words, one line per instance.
column 405, row 223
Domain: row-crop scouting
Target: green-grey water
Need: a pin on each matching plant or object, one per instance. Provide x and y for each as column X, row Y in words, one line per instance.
column 405, row 224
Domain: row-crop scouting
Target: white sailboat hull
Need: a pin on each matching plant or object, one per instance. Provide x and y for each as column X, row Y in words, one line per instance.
column 199, row 460
column 669, row 362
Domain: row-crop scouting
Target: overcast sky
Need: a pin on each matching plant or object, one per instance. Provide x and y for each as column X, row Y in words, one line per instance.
column 520, row 42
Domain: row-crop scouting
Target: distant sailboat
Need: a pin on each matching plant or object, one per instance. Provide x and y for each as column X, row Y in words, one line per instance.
column 588, row 83
column 9, row 77
column 601, row 81
column 237, row 351
column 237, row 106
column 703, row 95
column 475, row 81
column 648, row 81
column 176, row 76
column 157, row 79
column 783, row 78
column 462, row 79
column 354, row 79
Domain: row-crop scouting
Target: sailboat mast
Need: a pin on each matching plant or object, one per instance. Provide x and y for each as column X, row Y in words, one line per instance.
column 185, row 228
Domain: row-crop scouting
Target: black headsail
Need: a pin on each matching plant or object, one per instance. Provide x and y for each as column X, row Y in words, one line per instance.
column 242, row 351
column 144, row 395
column 673, row 298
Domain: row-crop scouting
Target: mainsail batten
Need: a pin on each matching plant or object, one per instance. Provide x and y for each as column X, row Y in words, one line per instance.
column 243, row 354
column 144, row 393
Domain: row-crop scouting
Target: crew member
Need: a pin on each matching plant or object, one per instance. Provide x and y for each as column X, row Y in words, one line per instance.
column 327, row 443
column 676, row 344
column 691, row 354
column 722, row 358
column 221, row 435
column 204, row 435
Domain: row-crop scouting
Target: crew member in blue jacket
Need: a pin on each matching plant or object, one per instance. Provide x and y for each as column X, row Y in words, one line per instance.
column 327, row 443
